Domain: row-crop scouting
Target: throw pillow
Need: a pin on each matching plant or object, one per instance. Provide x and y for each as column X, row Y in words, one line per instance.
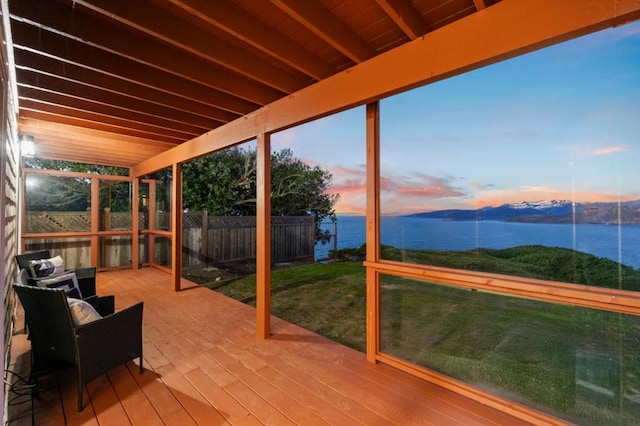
column 82, row 312
column 45, row 267
column 68, row 282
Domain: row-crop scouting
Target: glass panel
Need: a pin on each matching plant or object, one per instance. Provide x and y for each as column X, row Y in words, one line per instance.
column 162, row 251
column 219, row 219
column 115, row 251
column 528, row 167
column 76, row 252
column 318, row 192
column 316, row 171
column 57, row 204
column 143, row 206
column 163, row 203
column 143, row 250
column 115, row 205
column 582, row 365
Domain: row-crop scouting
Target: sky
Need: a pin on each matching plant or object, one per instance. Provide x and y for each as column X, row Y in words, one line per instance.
column 561, row 123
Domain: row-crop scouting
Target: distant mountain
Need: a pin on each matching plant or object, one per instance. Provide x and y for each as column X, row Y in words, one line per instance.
column 555, row 211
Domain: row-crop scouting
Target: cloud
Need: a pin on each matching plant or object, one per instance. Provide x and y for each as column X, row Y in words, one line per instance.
column 284, row 139
column 481, row 186
column 609, row 150
column 422, row 186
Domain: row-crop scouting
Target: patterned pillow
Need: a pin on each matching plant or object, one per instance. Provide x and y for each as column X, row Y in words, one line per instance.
column 68, row 282
column 82, row 312
column 45, row 267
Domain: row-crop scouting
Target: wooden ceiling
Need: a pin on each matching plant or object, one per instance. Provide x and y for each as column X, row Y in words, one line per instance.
column 118, row 81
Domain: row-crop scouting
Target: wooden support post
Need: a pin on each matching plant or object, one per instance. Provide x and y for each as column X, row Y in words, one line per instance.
column 176, row 226
column 95, row 220
column 373, row 229
column 135, row 223
column 151, row 243
column 204, row 258
column 263, row 237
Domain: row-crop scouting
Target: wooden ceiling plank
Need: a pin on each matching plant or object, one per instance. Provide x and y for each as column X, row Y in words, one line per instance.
column 54, row 17
column 504, row 30
column 141, row 120
column 79, row 155
column 97, row 125
column 61, row 109
column 479, row 4
column 235, row 21
column 325, row 25
column 163, row 25
column 405, row 16
column 102, row 150
column 43, row 65
column 31, row 79
column 89, row 135
column 29, row 38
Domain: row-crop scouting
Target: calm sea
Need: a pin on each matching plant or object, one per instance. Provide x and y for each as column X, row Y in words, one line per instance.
column 619, row 243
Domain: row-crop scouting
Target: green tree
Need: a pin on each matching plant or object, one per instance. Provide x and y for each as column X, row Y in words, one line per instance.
column 224, row 183
column 74, row 193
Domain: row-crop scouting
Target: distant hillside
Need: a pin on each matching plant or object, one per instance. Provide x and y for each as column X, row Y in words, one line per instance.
column 555, row 211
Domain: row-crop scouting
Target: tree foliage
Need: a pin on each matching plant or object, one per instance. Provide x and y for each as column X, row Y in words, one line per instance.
column 224, row 184
column 74, row 193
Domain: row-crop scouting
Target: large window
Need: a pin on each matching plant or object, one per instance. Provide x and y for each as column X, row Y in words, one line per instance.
column 219, row 218
column 57, row 204
column 580, row 364
column 525, row 168
column 63, row 216
column 509, row 202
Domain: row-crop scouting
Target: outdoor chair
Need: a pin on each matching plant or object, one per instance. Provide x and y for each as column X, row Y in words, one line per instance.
column 85, row 278
column 65, row 332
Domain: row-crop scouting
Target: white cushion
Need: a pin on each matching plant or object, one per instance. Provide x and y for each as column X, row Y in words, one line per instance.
column 67, row 281
column 45, row 267
column 82, row 312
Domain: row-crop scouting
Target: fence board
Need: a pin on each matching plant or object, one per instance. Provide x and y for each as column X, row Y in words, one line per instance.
column 227, row 239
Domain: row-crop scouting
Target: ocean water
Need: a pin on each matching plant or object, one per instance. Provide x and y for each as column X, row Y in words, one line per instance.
column 618, row 243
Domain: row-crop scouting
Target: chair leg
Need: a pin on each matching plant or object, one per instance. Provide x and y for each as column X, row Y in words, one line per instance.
column 79, row 395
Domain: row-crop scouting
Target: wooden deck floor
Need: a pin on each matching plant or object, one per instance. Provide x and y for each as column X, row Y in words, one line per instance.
column 204, row 365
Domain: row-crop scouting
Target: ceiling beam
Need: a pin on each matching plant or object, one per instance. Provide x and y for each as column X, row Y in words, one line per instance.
column 505, row 30
column 324, row 24
column 405, row 16
column 186, row 36
column 235, row 21
column 29, row 38
column 93, row 123
column 31, row 79
column 74, row 110
column 80, row 107
column 42, row 128
column 47, row 66
column 54, row 17
column 479, row 4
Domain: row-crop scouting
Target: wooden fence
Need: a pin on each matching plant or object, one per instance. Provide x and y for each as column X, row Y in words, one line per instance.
column 206, row 240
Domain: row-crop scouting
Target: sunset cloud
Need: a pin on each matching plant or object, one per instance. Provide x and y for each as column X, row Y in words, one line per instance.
column 610, row 150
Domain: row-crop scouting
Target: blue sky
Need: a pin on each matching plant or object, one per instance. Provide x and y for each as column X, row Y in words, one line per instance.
column 560, row 123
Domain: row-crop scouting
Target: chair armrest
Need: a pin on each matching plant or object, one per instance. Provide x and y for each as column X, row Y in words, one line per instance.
column 94, row 301
column 86, row 280
column 107, row 305
column 108, row 342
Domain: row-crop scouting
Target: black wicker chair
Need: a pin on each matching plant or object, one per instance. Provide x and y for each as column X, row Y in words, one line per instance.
column 105, row 305
column 94, row 348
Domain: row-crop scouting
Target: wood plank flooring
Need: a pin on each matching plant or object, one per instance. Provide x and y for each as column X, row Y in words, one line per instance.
column 204, row 366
